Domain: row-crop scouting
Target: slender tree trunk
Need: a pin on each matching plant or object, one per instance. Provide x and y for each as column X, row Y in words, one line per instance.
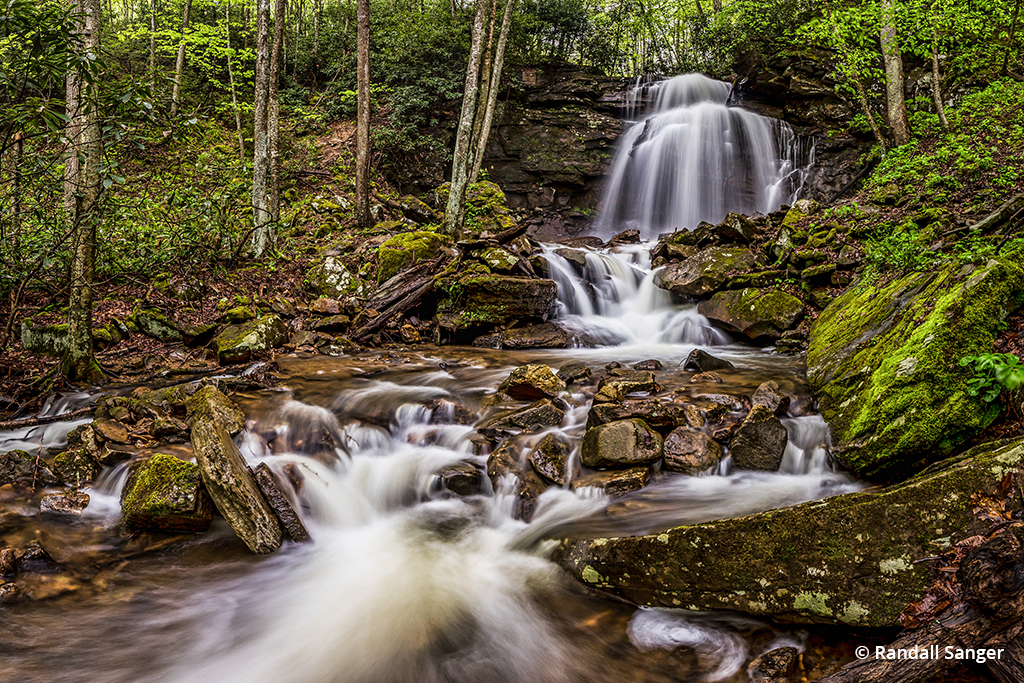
column 895, row 102
column 273, row 115
column 152, row 48
column 455, row 214
column 231, row 82
column 484, row 94
column 865, row 107
column 261, row 148
column 79, row 364
column 317, row 11
column 179, row 65
column 363, row 113
column 940, row 108
column 492, row 96
column 1009, row 43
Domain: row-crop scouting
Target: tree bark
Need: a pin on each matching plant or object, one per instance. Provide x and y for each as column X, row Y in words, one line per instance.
column 261, row 148
column 940, row 108
column 152, row 48
column 492, row 97
column 79, row 365
column 179, row 65
column 484, row 93
column 1009, row 43
column 896, row 106
column 363, row 114
column 231, row 81
column 274, row 118
column 455, row 213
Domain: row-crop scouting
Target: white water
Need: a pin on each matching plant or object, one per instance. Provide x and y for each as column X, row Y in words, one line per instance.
column 695, row 159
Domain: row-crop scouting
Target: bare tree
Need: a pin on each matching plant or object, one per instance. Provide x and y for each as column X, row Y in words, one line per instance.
column 895, row 102
column 231, row 82
column 179, row 65
column 940, row 108
column 274, row 116
column 363, row 113
column 152, row 47
column 262, row 229
column 490, row 97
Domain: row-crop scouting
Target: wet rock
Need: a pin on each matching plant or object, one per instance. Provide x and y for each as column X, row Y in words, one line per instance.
column 702, row 361
column 154, row 323
column 620, row 444
column 274, row 492
column 409, row 334
column 753, row 312
column 624, row 237
column 532, row 382
column 882, row 360
column 705, row 272
column 332, row 279
column 706, row 377
column 464, row 478
column 690, row 452
column 165, row 493
column 479, row 299
column 615, row 483
column 768, row 394
column 736, row 228
column 240, row 343
column 623, row 383
column 79, row 464
column 851, row 559
column 576, row 257
column 760, row 441
column 445, row 412
column 649, row 365
column 68, row 502
column 545, row 336
column 406, row 249
column 551, row 458
column 727, row 402
column 8, row 562
column 325, row 306
column 9, row 592
column 20, row 467
column 34, row 558
column 574, row 373
column 528, row 485
column 211, row 405
column 659, row 413
column 774, row 666
column 232, row 487
column 110, row 430
column 543, row 412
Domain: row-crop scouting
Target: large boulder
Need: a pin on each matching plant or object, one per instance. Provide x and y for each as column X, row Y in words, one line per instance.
column 853, row 559
column 753, row 312
column 484, row 299
column 532, row 382
column 624, row 443
column 240, row 343
column 406, row 249
column 882, row 359
column 704, row 272
column 760, row 441
column 166, row 493
column 331, row 278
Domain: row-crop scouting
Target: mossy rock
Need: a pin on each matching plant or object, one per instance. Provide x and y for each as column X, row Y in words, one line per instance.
column 754, row 312
column 486, row 207
column 19, row 466
column 407, row 248
column 166, row 494
column 48, row 340
column 497, row 259
column 156, row 324
column 240, row 343
column 853, row 559
column 493, row 299
column 332, row 279
column 706, row 271
column 883, row 361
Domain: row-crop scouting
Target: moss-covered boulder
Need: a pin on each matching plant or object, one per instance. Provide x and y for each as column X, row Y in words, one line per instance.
column 20, row 467
column 532, row 382
column 80, row 463
column 240, row 343
column 753, row 312
column 705, row 272
column 332, row 279
column 166, row 494
column 498, row 259
column 883, row 361
column 486, row 208
column 48, row 340
column 158, row 325
column 407, row 248
column 851, row 559
column 483, row 299
column 416, row 210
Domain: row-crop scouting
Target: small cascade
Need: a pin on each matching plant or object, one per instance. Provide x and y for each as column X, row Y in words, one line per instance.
column 696, row 159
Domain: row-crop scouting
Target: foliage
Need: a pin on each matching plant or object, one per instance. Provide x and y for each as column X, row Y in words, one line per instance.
column 994, row 373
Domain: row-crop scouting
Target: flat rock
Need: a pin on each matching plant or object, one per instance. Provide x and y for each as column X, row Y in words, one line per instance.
column 69, row 502
column 614, row 483
column 705, row 272
column 623, row 443
column 463, row 478
column 543, row 412
column 273, row 490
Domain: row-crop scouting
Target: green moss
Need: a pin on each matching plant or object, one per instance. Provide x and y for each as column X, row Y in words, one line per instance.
column 405, row 249
column 166, row 494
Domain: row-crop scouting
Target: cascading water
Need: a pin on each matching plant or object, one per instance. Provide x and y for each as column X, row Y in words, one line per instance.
column 696, row 159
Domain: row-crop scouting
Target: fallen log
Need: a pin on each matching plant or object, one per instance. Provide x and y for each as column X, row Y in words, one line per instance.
column 402, row 284
column 399, row 307
column 49, row 419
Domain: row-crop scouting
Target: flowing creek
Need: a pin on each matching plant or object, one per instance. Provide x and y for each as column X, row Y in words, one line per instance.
column 405, row 582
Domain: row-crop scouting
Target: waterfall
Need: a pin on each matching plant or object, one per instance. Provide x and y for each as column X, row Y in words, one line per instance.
column 695, row 159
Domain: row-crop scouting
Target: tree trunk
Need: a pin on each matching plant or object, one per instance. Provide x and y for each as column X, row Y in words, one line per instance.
column 484, row 93
column 180, row 64
column 455, row 213
column 231, row 81
column 1009, row 43
column 866, row 109
column 316, row 38
column 940, row 108
column 79, row 364
column 152, row 48
column 492, row 98
column 274, row 119
column 895, row 102
column 261, row 148
column 363, row 114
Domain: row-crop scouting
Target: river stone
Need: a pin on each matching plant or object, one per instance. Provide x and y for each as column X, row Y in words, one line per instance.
column 774, row 666
column 79, row 464
column 19, row 466
column 649, row 365
column 239, row 343
column 702, row 361
column 332, row 279
column 528, row 485
column 705, row 272
column 659, row 413
column 753, row 312
column 543, row 336
column 110, row 430
column 760, row 442
column 233, row 488
column 69, row 502
column 709, row 377
column 574, row 373
column 543, row 412
column 8, row 562
column 154, row 323
column 551, row 458
column 623, row 382
column 853, row 559
column 35, row 558
column 165, row 493
column 532, row 382
column 482, row 299
column 210, row 404
column 615, row 483
column 768, row 394
column 688, row 451
column 463, row 478
column 882, row 359
column 273, row 491
column 622, row 443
